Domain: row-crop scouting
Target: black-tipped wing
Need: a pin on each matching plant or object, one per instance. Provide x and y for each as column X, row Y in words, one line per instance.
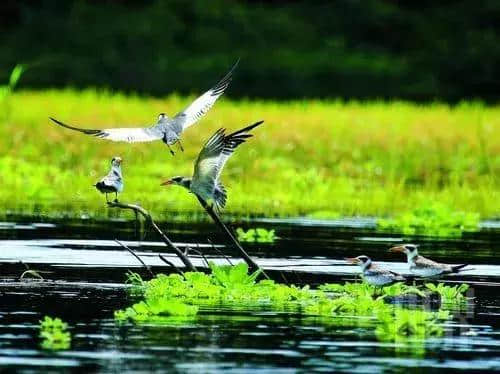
column 215, row 153
column 202, row 104
column 130, row 135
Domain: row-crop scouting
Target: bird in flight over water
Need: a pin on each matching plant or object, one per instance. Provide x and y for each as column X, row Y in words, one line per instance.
column 167, row 129
column 113, row 182
column 205, row 183
column 373, row 274
column 424, row 267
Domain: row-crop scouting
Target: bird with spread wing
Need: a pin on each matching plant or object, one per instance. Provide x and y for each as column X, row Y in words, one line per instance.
column 167, row 129
column 205, row 183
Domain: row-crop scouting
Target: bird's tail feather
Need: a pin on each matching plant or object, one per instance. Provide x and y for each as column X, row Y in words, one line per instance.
column 245, row 129
column 456, row 268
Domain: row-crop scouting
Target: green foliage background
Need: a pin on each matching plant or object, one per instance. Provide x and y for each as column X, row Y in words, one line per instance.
column 318, row 158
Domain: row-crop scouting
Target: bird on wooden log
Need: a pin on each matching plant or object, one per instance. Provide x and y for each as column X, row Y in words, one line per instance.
column 113, row 182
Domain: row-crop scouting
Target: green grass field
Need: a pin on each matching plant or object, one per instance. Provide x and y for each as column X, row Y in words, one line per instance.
column 318, row 158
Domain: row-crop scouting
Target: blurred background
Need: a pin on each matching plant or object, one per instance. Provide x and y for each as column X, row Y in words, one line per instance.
column 376, row 108
column 425, row 50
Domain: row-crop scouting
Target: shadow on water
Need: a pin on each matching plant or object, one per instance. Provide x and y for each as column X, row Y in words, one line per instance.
column 242, row 339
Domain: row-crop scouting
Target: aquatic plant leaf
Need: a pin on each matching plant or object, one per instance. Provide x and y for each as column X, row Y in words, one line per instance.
column 54, row 334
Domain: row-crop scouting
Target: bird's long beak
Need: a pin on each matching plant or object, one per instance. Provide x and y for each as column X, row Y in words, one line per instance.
column 166, row 183
column 352, row 260
column 398, row 248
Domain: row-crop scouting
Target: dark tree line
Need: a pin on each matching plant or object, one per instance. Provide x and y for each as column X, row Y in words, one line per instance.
column 421, row 50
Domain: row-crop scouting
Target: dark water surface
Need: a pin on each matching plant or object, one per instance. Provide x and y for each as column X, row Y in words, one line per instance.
column 84, row 272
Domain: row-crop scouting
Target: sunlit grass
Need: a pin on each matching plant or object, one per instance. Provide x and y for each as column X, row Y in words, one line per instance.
column 311, row 157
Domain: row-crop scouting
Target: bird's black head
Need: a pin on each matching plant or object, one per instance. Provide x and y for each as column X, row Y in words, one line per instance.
column 116, row 161
column 180, row 181
column 162, row 116
column 409, row 249
column 361, row 260
column 364, row 259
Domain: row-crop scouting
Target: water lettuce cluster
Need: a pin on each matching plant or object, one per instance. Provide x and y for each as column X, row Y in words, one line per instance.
column 432, row 219
column 259, row 235
column 449, row 294
column 54, row 333
column 184, row 296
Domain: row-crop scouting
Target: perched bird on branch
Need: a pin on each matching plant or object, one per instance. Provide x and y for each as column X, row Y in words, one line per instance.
column 205, row 183
column 167, row 129
column 373, row 274
column 424, row 267
column 113, row 182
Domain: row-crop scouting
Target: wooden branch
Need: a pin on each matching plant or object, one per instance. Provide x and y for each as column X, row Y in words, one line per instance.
column 250, row 262
column 143, row 212
column 219, row 252
column 199, row 253
column 171, row 265
column 148, row 268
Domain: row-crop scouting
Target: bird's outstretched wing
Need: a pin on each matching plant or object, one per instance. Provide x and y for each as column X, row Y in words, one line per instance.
column 215, row 153
column 202, row 104
column 130, row 135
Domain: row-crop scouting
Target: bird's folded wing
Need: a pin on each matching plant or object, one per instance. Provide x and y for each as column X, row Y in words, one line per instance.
column 427, row 263
column 202, row 104
column 130, row 135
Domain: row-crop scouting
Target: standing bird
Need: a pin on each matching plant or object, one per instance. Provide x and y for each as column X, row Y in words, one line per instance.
column 205, row 183
column 423, row 267
column 113, row 182
column 374, row 275
column 167, row 129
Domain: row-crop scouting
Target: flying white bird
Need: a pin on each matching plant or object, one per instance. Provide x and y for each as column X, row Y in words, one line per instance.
column 205, row 183
column 113, row 182
column 424, row 267
column 167, row 129
column 373, row 274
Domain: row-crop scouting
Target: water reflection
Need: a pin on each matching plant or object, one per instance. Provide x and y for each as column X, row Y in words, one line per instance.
column 220, row 338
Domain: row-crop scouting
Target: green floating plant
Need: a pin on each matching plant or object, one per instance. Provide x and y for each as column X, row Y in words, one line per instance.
column 412, row 324
column 434, row 219
column 234, row 276
column 176, row 296
column 144, row 310
column 449, row 294
column 54, row 333
column 259, row 235
column 365, row 289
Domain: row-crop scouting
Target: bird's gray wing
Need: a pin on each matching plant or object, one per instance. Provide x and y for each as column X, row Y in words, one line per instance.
column 202, row 104
column 112, row 178
column 216, row 152
column 129, row 135
column 427, row 263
